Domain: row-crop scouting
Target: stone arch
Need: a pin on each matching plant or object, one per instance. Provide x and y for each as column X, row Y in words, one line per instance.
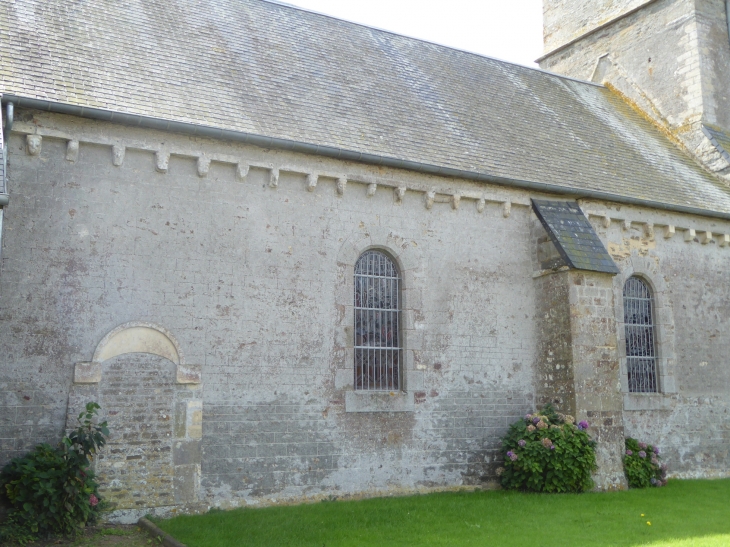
column 137, row 337
column 406, row 254
column 152, row 462
column 647, row 268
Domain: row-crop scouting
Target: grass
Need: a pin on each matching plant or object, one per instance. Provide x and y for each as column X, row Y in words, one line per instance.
column 692, row 513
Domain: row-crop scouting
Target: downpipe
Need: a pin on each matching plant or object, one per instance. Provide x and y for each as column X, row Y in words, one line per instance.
column 9, row 118
column 4, row 196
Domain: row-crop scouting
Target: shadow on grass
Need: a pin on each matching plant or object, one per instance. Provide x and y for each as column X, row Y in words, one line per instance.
column 684, row 513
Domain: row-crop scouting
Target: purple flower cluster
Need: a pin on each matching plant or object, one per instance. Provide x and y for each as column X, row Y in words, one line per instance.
column 512, row 456
column 642, row 446
column 536, row 419
column 656, row 450
column 629, row 452
column 642, row 454
column 583, row 425
column 522, row 442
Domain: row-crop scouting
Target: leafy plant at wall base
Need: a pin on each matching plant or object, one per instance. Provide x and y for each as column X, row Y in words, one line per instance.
column 52, row 490
column 642, row 465
column 548, row 452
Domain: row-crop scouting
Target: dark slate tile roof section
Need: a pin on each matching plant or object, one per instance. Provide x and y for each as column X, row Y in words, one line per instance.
column 278, row 71
column 574, row 236
column 719, row 139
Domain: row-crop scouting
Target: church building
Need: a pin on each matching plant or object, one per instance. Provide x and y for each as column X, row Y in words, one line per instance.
column 294, row 257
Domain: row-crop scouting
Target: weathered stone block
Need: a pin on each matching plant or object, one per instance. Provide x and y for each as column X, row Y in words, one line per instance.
column 87, row 373
column 186, row 452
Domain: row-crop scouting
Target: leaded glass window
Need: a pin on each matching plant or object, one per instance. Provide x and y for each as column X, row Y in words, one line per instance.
column 640, row 336
column 377, row 323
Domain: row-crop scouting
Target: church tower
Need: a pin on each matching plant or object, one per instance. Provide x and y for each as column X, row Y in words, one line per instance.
column 668, row 58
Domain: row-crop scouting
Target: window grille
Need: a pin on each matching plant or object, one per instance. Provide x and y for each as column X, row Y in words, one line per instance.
column 640, row 339
column 377, row 323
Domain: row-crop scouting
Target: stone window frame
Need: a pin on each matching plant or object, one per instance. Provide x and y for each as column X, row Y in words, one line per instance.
column 406, row 255
column 646, row 269
column 647, row 346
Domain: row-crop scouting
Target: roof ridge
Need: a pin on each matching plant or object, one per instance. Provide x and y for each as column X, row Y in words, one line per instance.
column 422, row 40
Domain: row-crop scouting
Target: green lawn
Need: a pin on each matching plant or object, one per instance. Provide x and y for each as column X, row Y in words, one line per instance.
column 684, row 513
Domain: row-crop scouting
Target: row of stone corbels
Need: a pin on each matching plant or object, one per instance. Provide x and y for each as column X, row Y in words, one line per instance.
column 668, row 231
column 431, row 194
column 162, row 161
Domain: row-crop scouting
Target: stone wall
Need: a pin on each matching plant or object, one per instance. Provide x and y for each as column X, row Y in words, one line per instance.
column 654, row 49
column 668, row 59
column 245, row 255
column 250, row 269
column 577, row 366
column 687, row 272
column 566, row 20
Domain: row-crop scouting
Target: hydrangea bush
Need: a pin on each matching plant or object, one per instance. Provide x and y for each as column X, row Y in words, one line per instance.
column 642, row 465
column 548, row 452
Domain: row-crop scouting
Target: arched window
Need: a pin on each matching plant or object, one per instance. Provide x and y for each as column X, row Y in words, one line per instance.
column 377, row 323
column 640, row 339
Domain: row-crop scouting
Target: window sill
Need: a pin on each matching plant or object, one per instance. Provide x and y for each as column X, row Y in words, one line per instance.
column 647, row 401
column 378, row 401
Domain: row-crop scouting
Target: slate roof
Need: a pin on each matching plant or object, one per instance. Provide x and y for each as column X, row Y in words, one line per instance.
column 574, row 236
column 719, row 139
column 278, row 71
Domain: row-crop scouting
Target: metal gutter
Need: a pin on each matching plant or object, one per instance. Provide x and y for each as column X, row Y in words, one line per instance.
column 149, row 122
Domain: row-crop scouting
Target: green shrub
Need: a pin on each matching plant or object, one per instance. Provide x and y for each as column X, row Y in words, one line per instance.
column 52, row 490
column 642, row 465
column 548, row 452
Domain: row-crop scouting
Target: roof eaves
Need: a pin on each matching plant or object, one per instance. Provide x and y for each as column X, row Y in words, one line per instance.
column 188, row 128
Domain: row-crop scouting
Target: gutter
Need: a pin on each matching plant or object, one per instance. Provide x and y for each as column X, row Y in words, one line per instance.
column 148, row 122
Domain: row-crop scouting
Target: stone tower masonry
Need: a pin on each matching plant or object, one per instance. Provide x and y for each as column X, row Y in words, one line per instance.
column 670, row 59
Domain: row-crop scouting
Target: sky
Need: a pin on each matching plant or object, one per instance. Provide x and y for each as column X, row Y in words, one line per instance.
column 510, row 30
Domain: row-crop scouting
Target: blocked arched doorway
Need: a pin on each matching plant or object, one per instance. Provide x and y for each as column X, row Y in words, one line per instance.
column 151, row 400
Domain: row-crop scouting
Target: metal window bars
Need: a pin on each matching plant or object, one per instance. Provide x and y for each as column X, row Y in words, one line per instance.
column 377, row 323
column 640, row 339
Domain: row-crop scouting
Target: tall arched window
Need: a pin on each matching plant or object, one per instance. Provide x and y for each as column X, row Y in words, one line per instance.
column 640, row 339
column 377, row 323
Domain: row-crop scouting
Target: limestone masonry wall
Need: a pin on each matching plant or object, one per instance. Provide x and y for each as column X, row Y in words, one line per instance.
column 669, row 59
column 246, row 255
column 566, row 20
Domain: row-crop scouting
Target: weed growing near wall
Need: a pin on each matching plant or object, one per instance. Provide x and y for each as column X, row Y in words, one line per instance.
column 642, row 465
column 52, row 490
column 548, row 452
